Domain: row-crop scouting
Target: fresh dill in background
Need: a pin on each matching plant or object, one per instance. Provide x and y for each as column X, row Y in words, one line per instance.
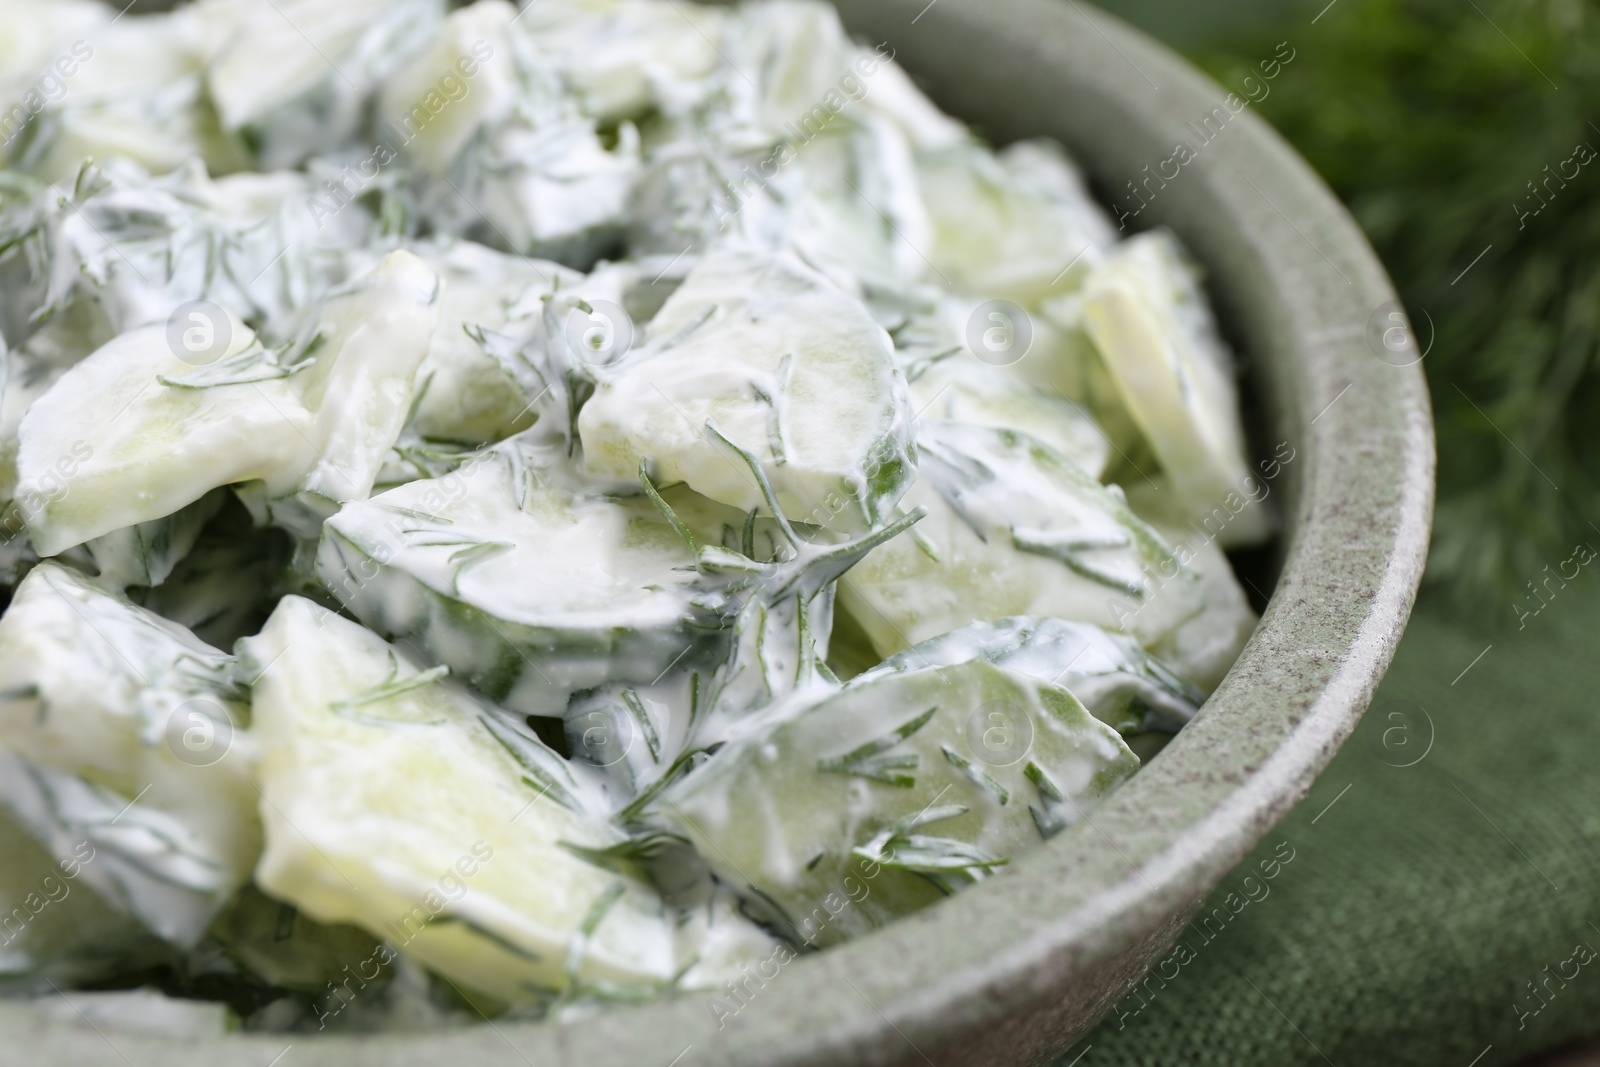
column 1450, row 127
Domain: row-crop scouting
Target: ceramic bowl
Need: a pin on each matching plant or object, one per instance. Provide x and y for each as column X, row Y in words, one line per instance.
column 1013, row 970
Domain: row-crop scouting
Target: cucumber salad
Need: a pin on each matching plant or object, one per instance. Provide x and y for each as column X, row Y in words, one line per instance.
column 512, row 511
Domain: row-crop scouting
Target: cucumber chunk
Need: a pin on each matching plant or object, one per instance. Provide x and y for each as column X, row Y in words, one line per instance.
column 1120, row 683
column 291, row 77
column 134, row 433
column 136, row 93
column 878, row 793
column 530, row 584
column 433, row 119
column 1017, row 224
column 129, row 733
column 1147, row 315
column 1015, row 528
column 787, row 366
column 394, row 801
column 465, row 395
column 962, row 390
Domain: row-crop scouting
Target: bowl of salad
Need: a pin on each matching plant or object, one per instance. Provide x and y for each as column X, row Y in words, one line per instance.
column 631, row 532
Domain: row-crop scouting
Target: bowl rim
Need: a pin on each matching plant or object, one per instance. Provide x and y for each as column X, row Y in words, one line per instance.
column 1014, row 969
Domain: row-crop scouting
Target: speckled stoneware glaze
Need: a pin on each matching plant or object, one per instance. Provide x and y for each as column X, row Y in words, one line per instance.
column 1011, row 971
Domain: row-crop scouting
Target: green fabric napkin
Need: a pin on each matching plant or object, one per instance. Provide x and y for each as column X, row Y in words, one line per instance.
column 1434, row 897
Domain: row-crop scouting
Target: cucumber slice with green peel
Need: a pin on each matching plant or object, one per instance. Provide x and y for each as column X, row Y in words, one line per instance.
column 787, row 366
column 844, row 812
column 530, row 584
column 1147, row 314
column 136, row 731
column 1117, row 681
column 359, row 747
column 1015, row 528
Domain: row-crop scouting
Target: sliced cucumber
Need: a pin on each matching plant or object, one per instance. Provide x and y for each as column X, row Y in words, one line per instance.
column 843, row 813
column 135, row 731
column 463, row 81
column 528, row 583
column 1016, row 225
column 376, row 334
column 465, row 394
column 963, row 390
column 1147, row 315
column 395, row 802
column 783, row 364
column 111, row 445
column 1015, row 528
column 1120, row 683
column 291, row 77
column 134, row 433
column 135, row 93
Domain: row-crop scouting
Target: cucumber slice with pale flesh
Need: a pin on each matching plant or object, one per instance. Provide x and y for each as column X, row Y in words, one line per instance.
column 781, row 362
column 134, row 432
column 1120, row 683
column 396, row 802
column 529, row 583
column 878, row 793
column 1015, row 528
column 134, row 731
column 1147, row 315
